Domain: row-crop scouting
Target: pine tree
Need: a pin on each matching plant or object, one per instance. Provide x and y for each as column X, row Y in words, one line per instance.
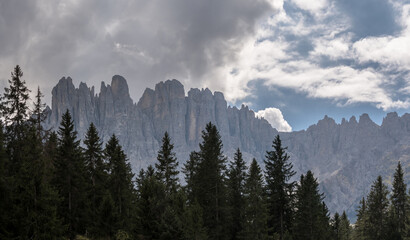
column 38, row 115
column 193, row 223
column 36, row 195
column 5, row 191
column 279, row 189
column 14, row 105
column 377, row 211
column 255, row 210
column 70, row 178
column 50, row 155
column 212, row 183
column 167, row 165
column 399, row 204
column 97, row 175
column 336, row 226
column 345, row 229
column 360, row 228
column 311, row 218
column 120, row 183
column 150, row 205
column 191, row 176
column 236, row 185
column 14, row 110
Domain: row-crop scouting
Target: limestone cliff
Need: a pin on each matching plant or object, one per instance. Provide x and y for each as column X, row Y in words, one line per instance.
column 346, row 157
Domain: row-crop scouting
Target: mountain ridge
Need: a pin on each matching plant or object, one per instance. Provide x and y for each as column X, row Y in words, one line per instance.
column 346, row 157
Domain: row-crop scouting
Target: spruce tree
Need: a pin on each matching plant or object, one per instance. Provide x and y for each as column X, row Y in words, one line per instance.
column 360, row 228
column 38, row 114
column 212, row 183
column 193, row 222
column 97, row 176
column 279, row 189
column 5, row 201
column 14, row 105
column 345, row 229
column 255, row 210
column 50, row 155
column 70, row 178
column 150, row 205
column 15, row 112
column 120, row 183
column 37, row 197
column 377, row 211
column 236, row 185
column 399, row 204
column 311, row 220
column 336, row 226
column 191, row 176
column 167, row 166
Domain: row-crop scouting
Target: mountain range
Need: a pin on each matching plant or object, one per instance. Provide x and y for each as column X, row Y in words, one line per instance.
column 346, row 158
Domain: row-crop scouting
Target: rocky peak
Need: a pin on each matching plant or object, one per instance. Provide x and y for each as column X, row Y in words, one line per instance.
column 326, row 122
column 119, row 86
column 352, row 120
column 391, row 118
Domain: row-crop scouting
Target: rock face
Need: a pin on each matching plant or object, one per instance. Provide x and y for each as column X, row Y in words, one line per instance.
column 346, row 157
column 140, row 127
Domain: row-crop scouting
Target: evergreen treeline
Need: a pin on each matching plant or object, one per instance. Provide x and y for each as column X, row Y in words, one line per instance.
column 52, row 186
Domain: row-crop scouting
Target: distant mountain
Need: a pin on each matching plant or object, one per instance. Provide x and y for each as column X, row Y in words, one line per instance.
column 345, row 157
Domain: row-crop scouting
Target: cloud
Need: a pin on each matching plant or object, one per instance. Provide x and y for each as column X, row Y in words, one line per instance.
column 145, row 41
column 316, row 51
column 275, row 118
column 345, row 51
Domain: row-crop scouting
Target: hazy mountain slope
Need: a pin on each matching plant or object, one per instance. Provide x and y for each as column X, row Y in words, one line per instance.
column 345, row 157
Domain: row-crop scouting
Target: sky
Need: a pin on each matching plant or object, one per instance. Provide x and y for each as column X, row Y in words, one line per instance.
column 291, row 61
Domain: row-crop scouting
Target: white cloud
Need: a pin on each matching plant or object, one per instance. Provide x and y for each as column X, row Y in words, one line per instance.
column 311, row 5
column 323, row 72
column 275, row 118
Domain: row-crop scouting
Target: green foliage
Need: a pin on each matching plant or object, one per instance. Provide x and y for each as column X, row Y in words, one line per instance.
column 97, row 177
column 120, row 183
column 211, row 183
column 311, row 217
column 150, row 204
column 345, row 230
column 278, row 189
column 377, row 211
column 236, row 189
column 255, row 210
column 398, row 213
column 70, row 178
column 191, row 176
column 167, row 165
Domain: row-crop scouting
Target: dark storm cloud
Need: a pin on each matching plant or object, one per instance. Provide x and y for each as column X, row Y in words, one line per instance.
column 146, row 41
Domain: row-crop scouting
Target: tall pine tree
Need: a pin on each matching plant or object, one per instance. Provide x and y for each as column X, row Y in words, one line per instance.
column 190, row 170
column 399, row 204
column 345, row 229
column 311, row 220
column 212, row 183
column 279, row 189
column 70, row 178
column 255, row 209
column 236, row 187
column 360, row 228
column 377, row 211
column 167, row 166
column 97, row 177
column 120, row 183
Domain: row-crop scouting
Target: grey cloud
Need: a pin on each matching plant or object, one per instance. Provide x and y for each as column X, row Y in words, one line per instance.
column 146, row 41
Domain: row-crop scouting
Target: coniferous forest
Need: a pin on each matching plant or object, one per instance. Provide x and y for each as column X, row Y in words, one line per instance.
column 53, row 186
